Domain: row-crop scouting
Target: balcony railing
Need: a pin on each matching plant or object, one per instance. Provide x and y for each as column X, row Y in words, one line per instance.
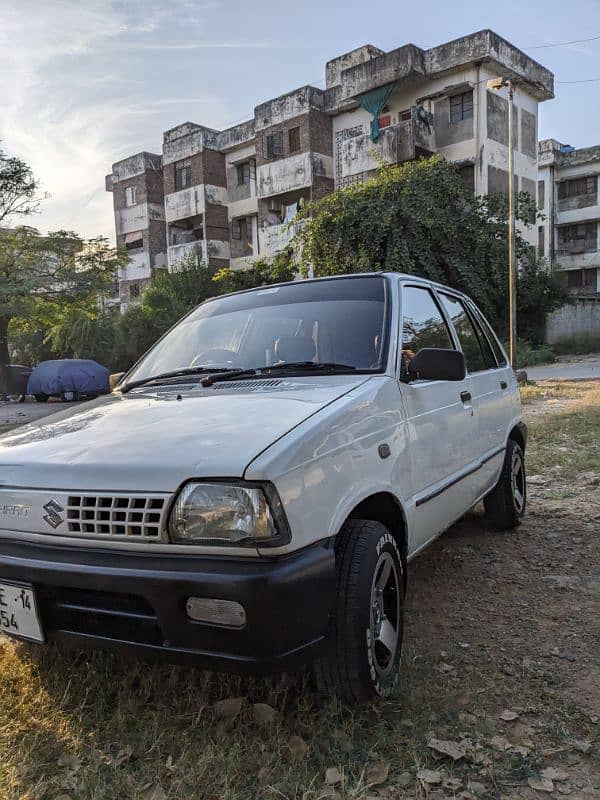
column 275, row 238
column 179, row 252
column 396, row 144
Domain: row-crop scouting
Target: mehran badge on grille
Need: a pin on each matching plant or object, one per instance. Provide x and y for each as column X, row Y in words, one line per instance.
column 53, row 514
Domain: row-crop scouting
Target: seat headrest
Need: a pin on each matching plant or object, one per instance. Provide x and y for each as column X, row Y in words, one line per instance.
column 295, row 348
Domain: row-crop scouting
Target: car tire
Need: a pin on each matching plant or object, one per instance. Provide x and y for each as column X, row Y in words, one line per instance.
column 367, row 628
column 505, row 504
column 41, row 398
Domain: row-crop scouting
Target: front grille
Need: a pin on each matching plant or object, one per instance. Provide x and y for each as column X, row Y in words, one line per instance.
column 123, row 516
column 125, row 617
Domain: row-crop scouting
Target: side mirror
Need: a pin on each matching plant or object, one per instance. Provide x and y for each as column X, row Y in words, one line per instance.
column 437, row 364
column 115, row 379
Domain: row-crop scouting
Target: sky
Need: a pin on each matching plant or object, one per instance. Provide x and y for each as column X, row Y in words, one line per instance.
column 85, row 83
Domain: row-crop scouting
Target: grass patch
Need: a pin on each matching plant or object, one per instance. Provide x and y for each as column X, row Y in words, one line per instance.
column 568, row 439
column 535, row 391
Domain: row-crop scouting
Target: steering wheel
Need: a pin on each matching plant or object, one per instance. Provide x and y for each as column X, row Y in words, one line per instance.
column 219, row 357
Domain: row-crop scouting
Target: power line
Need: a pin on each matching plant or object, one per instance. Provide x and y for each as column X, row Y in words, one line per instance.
column 583, row 80
column 562, row 44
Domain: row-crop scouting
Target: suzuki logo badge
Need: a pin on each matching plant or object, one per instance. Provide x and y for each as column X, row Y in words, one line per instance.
column 53, row 517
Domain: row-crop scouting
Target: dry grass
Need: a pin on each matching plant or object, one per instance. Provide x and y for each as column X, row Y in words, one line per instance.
column 92, row 727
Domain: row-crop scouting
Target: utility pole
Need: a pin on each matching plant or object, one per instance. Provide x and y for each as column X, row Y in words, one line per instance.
column 499, row 83
column 512, row 268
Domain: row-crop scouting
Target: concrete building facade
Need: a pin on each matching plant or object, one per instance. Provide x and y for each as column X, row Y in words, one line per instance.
column 568, row 194
column 231, row 196
column 137, row 187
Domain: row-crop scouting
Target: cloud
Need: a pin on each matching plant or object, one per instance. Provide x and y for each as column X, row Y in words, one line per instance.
column 75, row 100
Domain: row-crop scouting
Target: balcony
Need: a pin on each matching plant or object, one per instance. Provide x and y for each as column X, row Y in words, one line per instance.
column 290, row 174
column 185, row 203
column 179, row 252
column 577, row 256
column 398, row 143
column 275, row 238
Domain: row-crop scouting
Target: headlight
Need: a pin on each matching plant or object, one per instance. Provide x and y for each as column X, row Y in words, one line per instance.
column 228, row 514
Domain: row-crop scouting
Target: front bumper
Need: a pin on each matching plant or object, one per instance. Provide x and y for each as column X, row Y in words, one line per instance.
column 136, row 603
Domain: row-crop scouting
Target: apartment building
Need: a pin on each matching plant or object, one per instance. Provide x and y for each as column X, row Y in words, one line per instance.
column 137, row 187
column 568, row 195
column 231, row 196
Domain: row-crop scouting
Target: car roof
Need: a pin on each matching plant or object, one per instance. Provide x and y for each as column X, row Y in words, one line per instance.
column 396, row 276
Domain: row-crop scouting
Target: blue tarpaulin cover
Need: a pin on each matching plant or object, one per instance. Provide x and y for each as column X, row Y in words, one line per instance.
column 68, row 375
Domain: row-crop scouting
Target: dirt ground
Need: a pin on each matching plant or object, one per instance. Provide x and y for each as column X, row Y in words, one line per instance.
column 499, row 697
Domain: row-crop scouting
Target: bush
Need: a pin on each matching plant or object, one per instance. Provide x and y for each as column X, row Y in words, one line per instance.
column 529, row 355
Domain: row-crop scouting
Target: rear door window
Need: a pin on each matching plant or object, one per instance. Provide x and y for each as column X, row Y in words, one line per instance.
column 490, row 335
column 476, row 349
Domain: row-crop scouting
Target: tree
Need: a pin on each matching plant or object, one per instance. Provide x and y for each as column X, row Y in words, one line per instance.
column 421, row 219
column 44, row 277
column 18, row 188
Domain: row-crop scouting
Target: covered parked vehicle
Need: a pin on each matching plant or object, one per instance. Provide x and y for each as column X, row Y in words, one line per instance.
column 69, row 378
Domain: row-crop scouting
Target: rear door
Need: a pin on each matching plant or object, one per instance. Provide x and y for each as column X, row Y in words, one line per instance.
column 489, row 386
column 441, row 423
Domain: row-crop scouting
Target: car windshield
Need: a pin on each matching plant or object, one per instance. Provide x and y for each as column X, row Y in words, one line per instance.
column 338, row 321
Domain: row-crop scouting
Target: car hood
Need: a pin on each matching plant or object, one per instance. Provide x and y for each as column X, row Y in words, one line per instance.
column 153, row 439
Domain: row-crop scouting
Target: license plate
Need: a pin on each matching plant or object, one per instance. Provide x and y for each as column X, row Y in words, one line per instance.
column 18, row 612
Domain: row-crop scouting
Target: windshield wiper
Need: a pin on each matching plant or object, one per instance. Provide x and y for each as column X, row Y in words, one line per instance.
column 176, row 373
column 309, row 366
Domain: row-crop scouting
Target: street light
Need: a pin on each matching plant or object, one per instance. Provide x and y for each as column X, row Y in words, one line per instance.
column 500, row 83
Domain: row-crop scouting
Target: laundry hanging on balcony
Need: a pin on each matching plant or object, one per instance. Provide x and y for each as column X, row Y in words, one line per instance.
column 374, row 102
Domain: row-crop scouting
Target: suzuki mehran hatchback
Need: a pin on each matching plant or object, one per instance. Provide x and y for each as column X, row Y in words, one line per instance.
column 249, row 495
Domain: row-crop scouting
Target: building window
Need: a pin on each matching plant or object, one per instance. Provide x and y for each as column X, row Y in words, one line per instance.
column 461, row 106
column 405, row 116
column 134, row 290
column 577, row 187
column 130, row 196
column 273, row 144
column 183, row 174
column 239, row 229
column 246, row 172
column 578, row 238
column 541, row 241
column 294, row 139
column 134, row 240
column 541, row 194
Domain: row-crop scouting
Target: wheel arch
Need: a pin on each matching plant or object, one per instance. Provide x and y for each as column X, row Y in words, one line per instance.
column 384, row 507
column 519, row 434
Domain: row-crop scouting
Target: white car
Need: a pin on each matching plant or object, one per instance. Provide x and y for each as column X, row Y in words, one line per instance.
column 250, row 494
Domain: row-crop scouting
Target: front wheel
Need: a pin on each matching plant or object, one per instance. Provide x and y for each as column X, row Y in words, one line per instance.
column 41, row 398
column 367, row 630
column 505, row 504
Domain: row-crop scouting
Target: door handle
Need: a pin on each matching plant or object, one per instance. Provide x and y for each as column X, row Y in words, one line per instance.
column 503, row 384
column 465, row 396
